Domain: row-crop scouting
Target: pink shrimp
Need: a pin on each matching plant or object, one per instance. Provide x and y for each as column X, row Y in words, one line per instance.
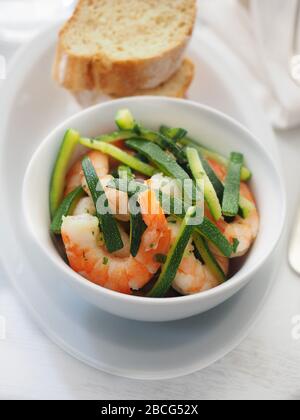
column 88, row 256
column 118, row 200
column 193, row 276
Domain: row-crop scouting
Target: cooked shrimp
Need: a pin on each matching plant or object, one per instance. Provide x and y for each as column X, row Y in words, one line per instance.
column 244, row 230
column 86, row 206
column 118, row 200
column 193, row 276
column 73, row 178
column 88, row 256
column 166, row 185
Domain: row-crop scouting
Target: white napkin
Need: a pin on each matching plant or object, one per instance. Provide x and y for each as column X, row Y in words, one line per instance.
column 261, row 35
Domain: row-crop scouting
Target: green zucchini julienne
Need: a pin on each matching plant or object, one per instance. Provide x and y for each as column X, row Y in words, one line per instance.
column 208, row 258
column 207, row 229
column 245, row 206
column 210, row 232
column 137, row 224
column 216, row 183
column 231, row 198
column 137, row 227
column 68, row 145
column 174, row 257
column 120, row 155
column 66, row 208
column 161, row 160
column 124, row 120
column 210, row 154
column 178, row 208
column 173, row 133
column 165, row 143
column 108, row 224
column 114, row 137
column 140, row 133
column 201, row 178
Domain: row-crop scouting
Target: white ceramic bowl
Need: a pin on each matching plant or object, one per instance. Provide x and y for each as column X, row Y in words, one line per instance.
column 211, row 128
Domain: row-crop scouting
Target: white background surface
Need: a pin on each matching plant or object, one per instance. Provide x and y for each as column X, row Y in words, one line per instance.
column 266, row 365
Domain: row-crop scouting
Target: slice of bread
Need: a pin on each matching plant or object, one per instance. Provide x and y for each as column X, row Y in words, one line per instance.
column 175, row 87
column 120, row 46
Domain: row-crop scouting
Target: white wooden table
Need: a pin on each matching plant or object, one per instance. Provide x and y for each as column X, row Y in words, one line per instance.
column 265, row 366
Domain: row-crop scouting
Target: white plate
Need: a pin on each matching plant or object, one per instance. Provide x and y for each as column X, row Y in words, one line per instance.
column 31, row 105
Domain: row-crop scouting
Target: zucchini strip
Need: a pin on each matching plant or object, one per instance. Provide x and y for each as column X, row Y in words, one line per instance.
column 155, row 137
column 178, row 208
column 231, row 197
column 114, row 137
column 124, row 120
column 201, row 177
column 154, row 153
column 208, row 258
column 163, row 161
column 137, row 224
column 119, row 155
column 173, row 133
column 215, row 181
column 137, row 227
column 66, row 208
column 175, row 256
column 210, row 154
column 165, row 143
column 108, row 224
column 68, row 145
column 246, row 207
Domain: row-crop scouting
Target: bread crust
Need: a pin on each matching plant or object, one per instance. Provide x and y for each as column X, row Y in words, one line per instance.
column 176, row 87
column 115, row 78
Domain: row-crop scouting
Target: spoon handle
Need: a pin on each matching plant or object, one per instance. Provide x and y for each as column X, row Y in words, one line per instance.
column 294, row 251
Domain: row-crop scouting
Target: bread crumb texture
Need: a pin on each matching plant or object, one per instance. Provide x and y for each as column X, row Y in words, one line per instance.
column 125, row 30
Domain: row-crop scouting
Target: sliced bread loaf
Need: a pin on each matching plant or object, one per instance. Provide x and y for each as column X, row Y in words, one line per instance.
column 121, row 46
